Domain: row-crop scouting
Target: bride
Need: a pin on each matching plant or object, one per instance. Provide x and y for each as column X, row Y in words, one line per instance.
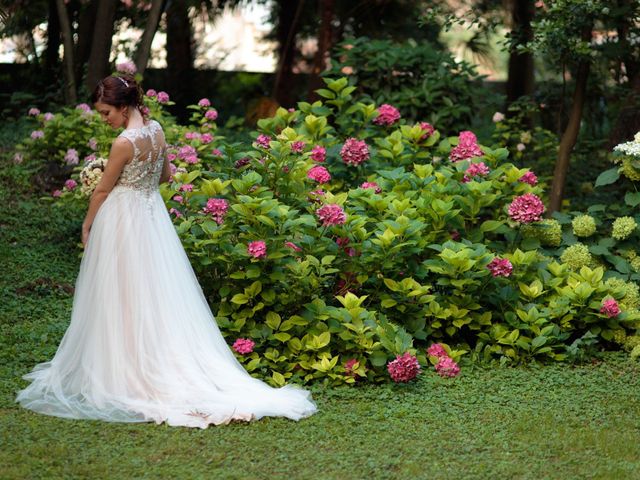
column 142, row 344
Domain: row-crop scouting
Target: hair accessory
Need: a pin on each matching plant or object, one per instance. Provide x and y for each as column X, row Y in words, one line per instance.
column 123, row 81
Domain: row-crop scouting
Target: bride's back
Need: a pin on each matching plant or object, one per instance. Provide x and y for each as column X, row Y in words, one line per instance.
column 144, row 170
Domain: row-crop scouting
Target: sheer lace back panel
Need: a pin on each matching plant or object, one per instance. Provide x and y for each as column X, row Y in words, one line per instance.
column 143, row 171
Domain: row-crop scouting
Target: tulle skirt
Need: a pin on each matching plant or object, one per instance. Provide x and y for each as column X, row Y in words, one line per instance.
column 142, row 344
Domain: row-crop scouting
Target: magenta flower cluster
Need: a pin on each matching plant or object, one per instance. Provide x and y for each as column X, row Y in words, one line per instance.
column 163, row 97
column 71, row 157
column 70, row 184
column 188, row 154
column 404, row 368
column 319, row 154
column 354, row 151
column 331, row 214
column 529, row 178
column 372, row 185
column 446, row 366
column 467, row 147
column 526, row 208
column 319, row 174
column 610, row 308
column 243, row 346
column 257, row 249
column 217, row 207
column 292, row 246
column 500, row 267
column 34, row 112
column 428, row 130
column 349, row 367
column 263, row 141
column 204, row 102
column 297, row 147
column 387, row 115
column 475, row 170
column 211, row 114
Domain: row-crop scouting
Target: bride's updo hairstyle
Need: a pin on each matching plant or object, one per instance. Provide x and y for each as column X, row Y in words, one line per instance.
column 119, row 91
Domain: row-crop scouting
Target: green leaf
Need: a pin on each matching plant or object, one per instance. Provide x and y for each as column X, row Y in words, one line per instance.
column 608, row 177
column 632, row 199
column 240, row 299
column 378, row 358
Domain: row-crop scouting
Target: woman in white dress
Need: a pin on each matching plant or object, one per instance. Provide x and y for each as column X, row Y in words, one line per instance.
column 142, row 344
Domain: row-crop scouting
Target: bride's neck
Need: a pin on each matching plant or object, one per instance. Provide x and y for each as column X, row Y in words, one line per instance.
column 135, row 118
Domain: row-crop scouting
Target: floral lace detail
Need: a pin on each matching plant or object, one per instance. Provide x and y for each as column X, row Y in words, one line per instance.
column 143, row 171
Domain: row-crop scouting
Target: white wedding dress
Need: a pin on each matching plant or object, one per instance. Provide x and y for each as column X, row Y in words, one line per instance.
column 142, row 344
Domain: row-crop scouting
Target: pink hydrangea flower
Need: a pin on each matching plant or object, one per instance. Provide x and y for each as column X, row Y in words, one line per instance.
column 34, row 112
column 70, row 184
column 56, row 193
column 315, row 195
column 354, row 151
column 521, row 147
column 36, row 134
column 89, row 158
column 447, row 367
column 127, row 67
column 437, row 350
column 151, row 93
column 263, row 141
column 204, row 102
column 175, row 212
column 529, row 178
column 163, row 97
column 475, row 170
column 467, row 147
column 319, row 174
column 428, row 130
column 217, row 207
column 206, row 138
column 497, row 117
column 297, row 147
column 387, row 115
column 92, row 144
column 349, row 367
column 500, row 267
column 372, row 185
column 48, row 116
column 216, row 153
column 171, row 156
column 71, row 157
column 526, row 208
column 331, row 214
column 610, row 308
column 178, row 198
column 187, row 187
column 319, row 154
column 84, row 107
column 243, row 346
column 257, row 249
column 404, row 368
column 292, row 246
column 188, row 154
column 192, row 135
column 211, row 114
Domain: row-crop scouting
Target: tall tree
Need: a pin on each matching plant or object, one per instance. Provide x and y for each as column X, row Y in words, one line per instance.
column 179, row 49
column 289, row 13
column 144, row 47
column 98, row 66
column 67, row 35
column 520, row 80
column 325, row 42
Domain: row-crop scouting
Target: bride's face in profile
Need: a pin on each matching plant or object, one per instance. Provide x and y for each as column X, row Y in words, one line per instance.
column 113, row 116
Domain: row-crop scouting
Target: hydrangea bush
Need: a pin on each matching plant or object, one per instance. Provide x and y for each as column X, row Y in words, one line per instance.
column 340, row 243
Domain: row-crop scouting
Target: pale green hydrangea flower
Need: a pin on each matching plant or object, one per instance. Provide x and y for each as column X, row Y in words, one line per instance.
column 576, row 256
column 623, row 227
column 584, row 226
column 548, row 231
column 629, row 171
column 631, row 299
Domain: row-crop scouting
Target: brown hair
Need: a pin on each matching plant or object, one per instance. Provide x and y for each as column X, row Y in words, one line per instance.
column 119, row 91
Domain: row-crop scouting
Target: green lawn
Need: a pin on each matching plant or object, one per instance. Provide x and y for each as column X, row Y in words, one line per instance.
column 540, row 422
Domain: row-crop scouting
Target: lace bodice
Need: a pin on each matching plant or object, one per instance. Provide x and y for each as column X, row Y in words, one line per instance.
column 143, row 171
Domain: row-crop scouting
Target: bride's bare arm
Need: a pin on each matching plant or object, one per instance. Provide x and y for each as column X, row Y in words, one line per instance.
column 121, row 153
column 166, row 171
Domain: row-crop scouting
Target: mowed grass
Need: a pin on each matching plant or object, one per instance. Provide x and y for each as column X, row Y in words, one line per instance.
column 556, row 421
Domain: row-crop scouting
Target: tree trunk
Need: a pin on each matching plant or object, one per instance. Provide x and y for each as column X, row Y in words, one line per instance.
column 101, row 45
column 51, row 56
column 179, row 50
column 289, row 14
column 67, row 36
column 86, row 23
column 520, row 81
column 569, row 138
column 144, row 47
column 325, row 42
